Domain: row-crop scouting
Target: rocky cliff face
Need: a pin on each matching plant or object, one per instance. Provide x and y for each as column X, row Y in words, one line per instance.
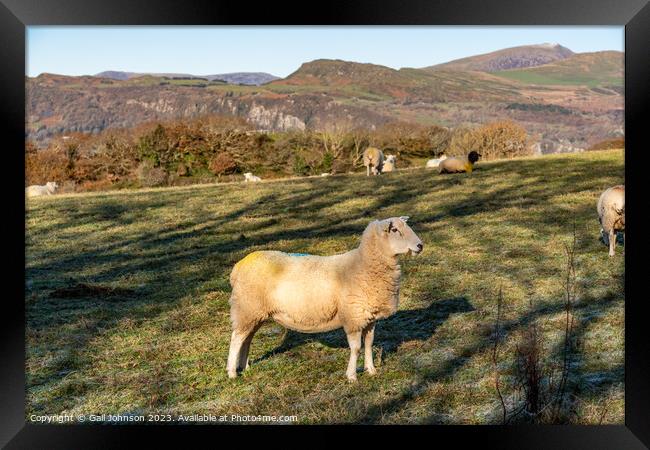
column 58, row 107
column 273, row 119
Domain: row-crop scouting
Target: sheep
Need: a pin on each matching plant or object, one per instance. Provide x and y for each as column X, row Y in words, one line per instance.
column 389, row 163
column 36, row 190
column 373, row 159
column 611, row 215
column 313, row 294
column 433, row 163
column 248, row 176
column 459, row 164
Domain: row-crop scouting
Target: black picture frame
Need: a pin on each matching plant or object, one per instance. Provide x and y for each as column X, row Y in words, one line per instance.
column 15, row 15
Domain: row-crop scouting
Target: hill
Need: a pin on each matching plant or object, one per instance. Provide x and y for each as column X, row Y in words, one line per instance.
column 325, row 93
column 598, row 69
column 245, row 78
column 374, row 82
column 509, row 58
column 127, row 295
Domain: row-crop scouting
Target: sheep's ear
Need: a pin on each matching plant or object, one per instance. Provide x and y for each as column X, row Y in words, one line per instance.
column 404, row 218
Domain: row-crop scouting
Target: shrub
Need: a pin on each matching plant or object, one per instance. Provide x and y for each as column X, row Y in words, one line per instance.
column 503, row 139
column 342, row 166
column 326, row 163
column 608, row 144
column 45, row 165
column 149, row 176
column 300, row 166
column 223, row 164
column 154, row 147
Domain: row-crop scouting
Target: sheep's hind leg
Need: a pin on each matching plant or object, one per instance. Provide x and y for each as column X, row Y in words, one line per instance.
column 368, row 338
column 612, row 242
column 624, row 242
column 243, row 353
column 236, row 342
column 354, row 340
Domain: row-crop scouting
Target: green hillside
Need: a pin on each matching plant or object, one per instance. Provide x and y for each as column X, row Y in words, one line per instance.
column 588, row 69
column 127, row 296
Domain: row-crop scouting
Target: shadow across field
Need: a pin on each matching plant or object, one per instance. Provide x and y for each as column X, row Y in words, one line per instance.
column 376, row 413
column 404, row 326
column 191, row 246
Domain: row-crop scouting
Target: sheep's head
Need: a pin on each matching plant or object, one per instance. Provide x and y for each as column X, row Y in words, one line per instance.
column 52, row 186
column 397, row 238
column 473, row 156
column 391, row 158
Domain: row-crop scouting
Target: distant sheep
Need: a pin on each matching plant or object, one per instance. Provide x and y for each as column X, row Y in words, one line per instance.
column 389, row 163
column 36, row 190
column 611, row 214
column 433, row 163
column 459, row 164
column 373, row 159
column 248, row 176
column 313, row 294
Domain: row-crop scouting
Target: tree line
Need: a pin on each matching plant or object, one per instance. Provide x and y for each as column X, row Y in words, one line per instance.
column 219, row 148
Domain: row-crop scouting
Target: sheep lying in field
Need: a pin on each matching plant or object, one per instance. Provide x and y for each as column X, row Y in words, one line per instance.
column 36, row 190
column 373, row 159
column 433, row 163
column 611, row 214
column 313, row 294
column 248, row 176
column 389, row 163
column 459, row 164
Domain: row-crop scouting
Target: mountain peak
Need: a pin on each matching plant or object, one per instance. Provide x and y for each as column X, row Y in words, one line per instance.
column 510, row 58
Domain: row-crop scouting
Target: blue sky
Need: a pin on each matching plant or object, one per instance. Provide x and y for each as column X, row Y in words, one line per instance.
column 85, row 50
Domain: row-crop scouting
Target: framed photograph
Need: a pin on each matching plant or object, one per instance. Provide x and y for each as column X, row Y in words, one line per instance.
column 409, row 216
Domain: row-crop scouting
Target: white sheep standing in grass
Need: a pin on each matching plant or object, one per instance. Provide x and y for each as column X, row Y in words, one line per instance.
column 313, row 294
column 373, row 159
column 248, row 176
column 433, row 163
column 389, row 163
column 36, row 190
column 611, row 214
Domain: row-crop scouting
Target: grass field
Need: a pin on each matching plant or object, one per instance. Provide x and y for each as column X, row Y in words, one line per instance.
column 127, row 295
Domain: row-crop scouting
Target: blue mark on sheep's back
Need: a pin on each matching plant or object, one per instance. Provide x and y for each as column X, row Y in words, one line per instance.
column 298, row 254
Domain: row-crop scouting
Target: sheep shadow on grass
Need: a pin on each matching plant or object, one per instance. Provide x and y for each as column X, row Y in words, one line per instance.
column 604, row 240
column 404, row 326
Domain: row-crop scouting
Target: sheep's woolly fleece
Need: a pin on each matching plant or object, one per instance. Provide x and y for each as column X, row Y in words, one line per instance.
column 309, row 293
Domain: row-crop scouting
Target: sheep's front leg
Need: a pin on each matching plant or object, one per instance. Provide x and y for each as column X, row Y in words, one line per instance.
column 368, row 171
column 368, row 338
column 354, row 340
column 612, row 242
